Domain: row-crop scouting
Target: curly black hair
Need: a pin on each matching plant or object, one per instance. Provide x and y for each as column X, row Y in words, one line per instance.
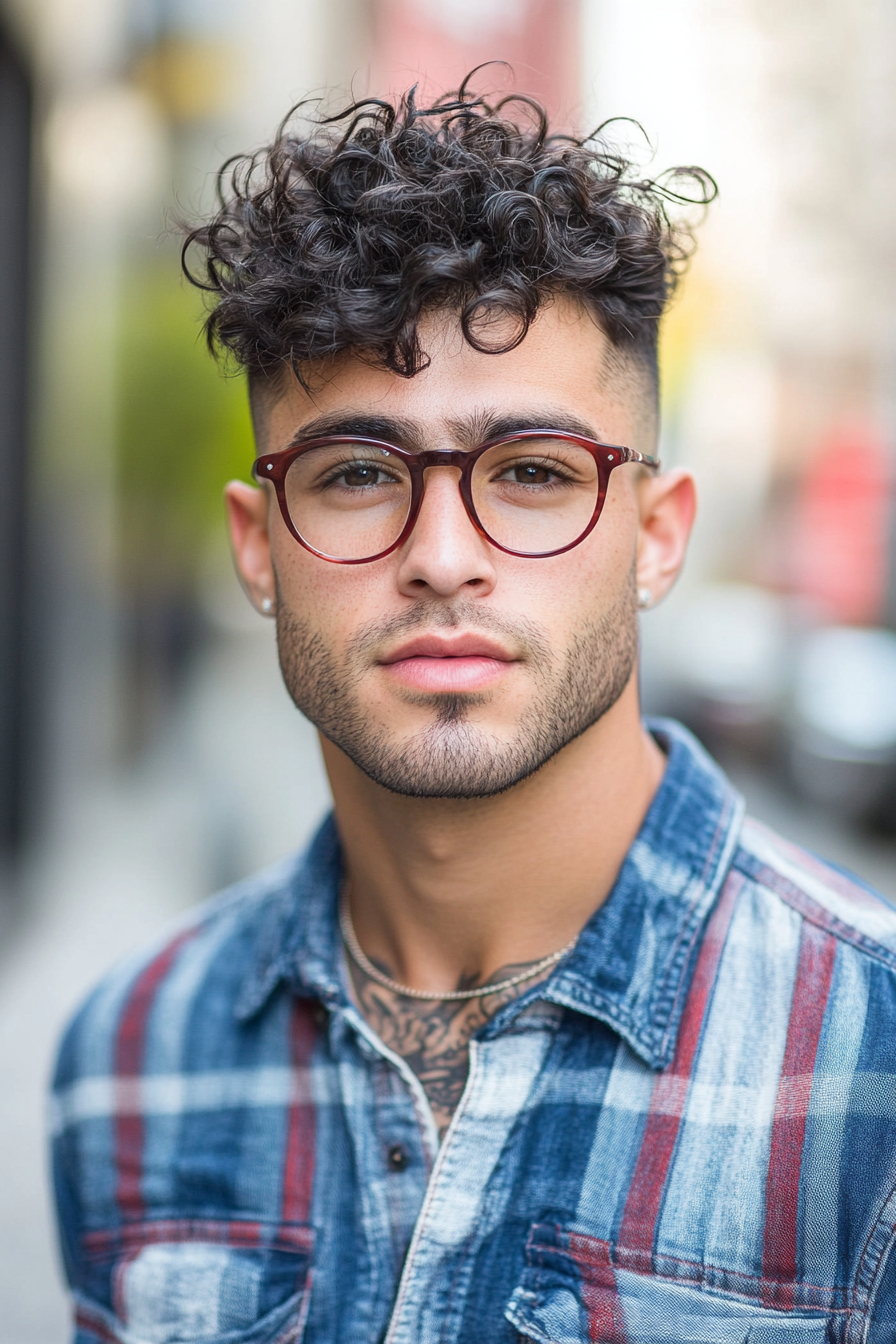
column 343, row 236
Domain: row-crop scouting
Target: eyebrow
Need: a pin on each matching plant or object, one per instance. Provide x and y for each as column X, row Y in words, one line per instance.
column 342, row 425
column 479, row 426
column 468, row 431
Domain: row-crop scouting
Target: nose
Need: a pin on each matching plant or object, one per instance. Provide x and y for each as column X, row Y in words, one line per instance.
column 444, row 553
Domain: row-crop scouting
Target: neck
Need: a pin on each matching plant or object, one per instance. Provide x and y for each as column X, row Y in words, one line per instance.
column 451, row 890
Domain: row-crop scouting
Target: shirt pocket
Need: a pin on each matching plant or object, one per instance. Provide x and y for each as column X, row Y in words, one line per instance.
column 577, row 1289
column 194, row 1281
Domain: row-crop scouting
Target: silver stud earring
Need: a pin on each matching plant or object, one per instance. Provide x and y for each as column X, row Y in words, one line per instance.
column 267, row 606
column 644, row 598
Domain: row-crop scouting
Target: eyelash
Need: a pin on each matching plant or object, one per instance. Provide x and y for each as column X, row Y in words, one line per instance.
column 340, row 468
column 547, row 464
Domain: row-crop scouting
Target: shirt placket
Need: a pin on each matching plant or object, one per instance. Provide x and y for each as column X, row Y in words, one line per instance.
column 461, row 1205
column 395, row 1144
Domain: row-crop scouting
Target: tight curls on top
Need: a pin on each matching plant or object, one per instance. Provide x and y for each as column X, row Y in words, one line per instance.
column 341, row 235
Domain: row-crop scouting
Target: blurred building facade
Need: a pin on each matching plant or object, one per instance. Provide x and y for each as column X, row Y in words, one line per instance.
column 16, row 219
column 778, row 362
column 136, row 104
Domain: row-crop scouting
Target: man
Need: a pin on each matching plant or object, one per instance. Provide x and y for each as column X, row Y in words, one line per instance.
column 541, row 1039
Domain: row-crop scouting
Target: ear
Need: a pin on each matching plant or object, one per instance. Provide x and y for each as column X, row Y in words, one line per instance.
column 667, row 506
column 247, row 512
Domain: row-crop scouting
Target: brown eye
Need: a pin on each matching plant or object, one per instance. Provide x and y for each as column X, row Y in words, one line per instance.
column 532, row 473
column 529, row 474
column 359, row 474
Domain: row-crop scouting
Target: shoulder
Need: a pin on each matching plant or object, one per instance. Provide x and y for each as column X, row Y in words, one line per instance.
column 140, row 1015
column 816, row 892
column 819, row 947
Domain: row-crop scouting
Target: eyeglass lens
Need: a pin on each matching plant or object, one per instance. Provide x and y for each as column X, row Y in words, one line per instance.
column 351, row 501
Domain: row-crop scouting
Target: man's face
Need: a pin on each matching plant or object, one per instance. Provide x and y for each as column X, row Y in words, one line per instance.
column 448, row 668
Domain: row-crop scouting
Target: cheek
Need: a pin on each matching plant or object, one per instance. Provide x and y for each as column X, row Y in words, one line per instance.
column 608, row 556
column 586, row 582
column 327, row 596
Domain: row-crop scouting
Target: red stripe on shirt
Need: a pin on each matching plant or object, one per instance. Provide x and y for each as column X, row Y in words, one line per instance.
column 606, row 1322
column 298, row 1171
column 645, row 1196
column 815, row 969
column 130, row 1049
column 93, row 1326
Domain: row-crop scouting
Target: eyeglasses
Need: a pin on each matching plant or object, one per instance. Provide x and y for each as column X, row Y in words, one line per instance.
column 535, row 493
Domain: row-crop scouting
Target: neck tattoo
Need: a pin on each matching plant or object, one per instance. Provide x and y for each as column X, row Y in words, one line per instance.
column 430, row 1030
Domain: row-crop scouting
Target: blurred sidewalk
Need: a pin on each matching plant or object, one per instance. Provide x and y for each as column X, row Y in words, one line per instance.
column 234, row 782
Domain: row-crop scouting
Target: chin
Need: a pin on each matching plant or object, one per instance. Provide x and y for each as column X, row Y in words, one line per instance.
column 454, row 759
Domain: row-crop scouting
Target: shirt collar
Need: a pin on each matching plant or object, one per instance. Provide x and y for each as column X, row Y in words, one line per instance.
column 632, row 964
column 635, row 957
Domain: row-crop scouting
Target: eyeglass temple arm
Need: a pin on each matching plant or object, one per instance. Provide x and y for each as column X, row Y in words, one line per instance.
column 631, row 455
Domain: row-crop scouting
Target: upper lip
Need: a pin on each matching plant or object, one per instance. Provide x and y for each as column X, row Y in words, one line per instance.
column 449, row 646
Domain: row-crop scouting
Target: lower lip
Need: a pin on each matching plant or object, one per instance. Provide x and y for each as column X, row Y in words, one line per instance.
column 448, row 674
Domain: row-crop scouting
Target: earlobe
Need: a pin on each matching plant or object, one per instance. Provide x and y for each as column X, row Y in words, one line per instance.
column 247, row 513
column 668, row 505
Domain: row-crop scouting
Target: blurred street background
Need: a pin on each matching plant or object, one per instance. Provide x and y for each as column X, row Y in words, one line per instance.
column 148, row 753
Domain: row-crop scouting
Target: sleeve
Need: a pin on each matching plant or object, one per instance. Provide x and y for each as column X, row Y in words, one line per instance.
column 65, row 1155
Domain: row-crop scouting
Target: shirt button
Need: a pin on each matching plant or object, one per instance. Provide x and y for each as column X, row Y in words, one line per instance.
column 397, row 1157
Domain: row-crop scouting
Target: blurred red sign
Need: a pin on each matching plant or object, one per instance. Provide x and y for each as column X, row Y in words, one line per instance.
column 436, row 42
column 840, row 537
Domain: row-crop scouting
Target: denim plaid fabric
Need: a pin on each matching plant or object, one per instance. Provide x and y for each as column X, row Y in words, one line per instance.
column 688, row 1133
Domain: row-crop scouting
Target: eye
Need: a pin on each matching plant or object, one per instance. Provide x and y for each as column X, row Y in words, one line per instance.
column 535, row 472
column 359, row 475
column 527, row 473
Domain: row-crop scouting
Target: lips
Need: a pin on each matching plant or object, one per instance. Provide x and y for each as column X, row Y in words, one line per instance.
column 448, row 662
column 449, row 646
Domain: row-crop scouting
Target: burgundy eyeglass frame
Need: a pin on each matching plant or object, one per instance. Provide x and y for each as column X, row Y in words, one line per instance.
column 607, row 456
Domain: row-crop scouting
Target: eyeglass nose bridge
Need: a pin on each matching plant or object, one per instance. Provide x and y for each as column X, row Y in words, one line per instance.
column 442, row 457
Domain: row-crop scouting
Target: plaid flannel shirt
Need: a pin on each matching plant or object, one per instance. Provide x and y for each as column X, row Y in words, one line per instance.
column 686, row 1133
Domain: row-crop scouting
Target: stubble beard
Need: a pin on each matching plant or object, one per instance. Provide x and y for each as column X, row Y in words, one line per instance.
column 452, row 757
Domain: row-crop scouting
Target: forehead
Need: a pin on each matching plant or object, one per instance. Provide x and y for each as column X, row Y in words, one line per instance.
column 561, row 364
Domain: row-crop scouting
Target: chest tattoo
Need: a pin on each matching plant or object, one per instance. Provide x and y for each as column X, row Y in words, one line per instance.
column 433, row 1035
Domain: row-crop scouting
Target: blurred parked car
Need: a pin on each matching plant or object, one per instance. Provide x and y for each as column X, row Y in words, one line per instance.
column 815, row 703
column 842, row 720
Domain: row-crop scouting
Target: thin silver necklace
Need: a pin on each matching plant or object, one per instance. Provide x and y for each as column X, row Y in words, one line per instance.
column 366, row 965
